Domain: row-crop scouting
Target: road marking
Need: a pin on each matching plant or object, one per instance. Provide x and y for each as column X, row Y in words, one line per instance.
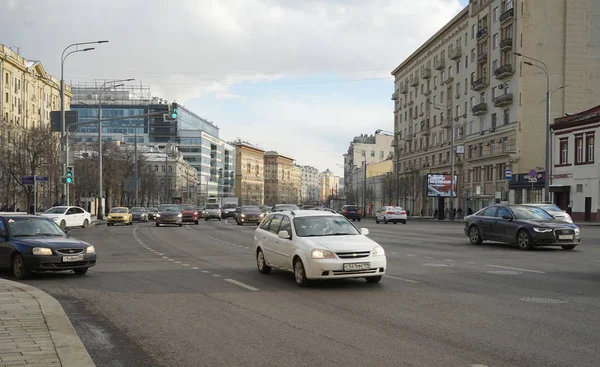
column 186, row 264
column 165, row 257
column 428, row 257
column 160, row 254
column 478, row 365
column 243, row 285
column 508, row 267
column 171, row 259
column 205, row 271
column 394, row 253
column 448, row 260
column 177, row 262
column 195, row 268
column 410, row 255
column 216, row 275
column 402, row 279
column 470, row 262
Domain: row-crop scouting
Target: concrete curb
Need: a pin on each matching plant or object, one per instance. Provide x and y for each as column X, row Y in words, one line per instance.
column 69, row 347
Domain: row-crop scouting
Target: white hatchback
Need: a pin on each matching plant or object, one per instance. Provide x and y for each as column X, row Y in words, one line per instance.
column 392, row 214
column 317, row 245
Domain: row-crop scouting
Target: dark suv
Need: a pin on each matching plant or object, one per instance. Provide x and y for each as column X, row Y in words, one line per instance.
column 351, row 212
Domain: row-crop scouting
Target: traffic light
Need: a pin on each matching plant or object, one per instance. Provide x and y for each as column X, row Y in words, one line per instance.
column 69, row 178
column 173, row 111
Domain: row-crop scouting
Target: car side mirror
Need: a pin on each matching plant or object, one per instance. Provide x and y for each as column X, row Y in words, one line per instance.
column 364, row 231
column 507, row 217
column 283, row 235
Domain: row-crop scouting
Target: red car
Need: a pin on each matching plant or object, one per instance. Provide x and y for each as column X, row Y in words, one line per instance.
column 189, row 213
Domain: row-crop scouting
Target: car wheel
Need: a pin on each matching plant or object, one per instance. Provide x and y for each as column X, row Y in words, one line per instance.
column 86, row 223
column 524, row 240
column 395, row 222
column 196, row 222
column 80, row 271
column 568, row 247
column 300, row 273
column 206, row 219
column 359, row 219
column 474, row 236
column 261, row 263
column 219, row 219
column 375, row 279
column 385, row 220
column 180, row 224
column 354, row 219
column 108, row 224
column 157, row 224
column 403, row 222
column 19, row 269
column 63, row 225
column 376, row 220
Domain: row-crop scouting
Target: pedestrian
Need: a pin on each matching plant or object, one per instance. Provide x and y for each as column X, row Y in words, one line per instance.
column 460, row 213
column 570, row 209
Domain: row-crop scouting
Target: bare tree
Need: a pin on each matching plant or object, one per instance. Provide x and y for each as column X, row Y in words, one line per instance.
column 388, row 190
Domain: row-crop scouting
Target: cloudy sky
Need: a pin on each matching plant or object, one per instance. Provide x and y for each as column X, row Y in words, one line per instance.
column 298, row 76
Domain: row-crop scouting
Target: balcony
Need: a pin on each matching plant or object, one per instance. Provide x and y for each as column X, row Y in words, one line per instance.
column 479, row 109
column 426, row 131
column 426, row 73
column 455, row 53
column 503, row 71
column 509, row 14
column 482, row 57
column 503, row 100
column 394, row 96
column 427, row 93
column 449, row 80
column 409, row 137
column 439, row 64
column 404, row 88
column 506, row 44
column 479, row 84
column 414, row 82
column 482, row 33
column 410, row 103
column 447, row 123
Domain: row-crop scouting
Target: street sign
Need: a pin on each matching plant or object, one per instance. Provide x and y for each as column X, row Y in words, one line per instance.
column 460, row 149
column 28, row 180
column 533, row 173
column 508, row 174
column 533, row 179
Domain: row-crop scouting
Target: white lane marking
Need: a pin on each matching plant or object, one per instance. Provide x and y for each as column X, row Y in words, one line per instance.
column 205, row 271
column 243, row 285
column 402, row 279
column 394, row 253
column 470, row 262
column 428, row 257
column 165, row 257
column 510, row 268
column 216, row 275
column 178, row 262
column 171, row 259
column 478, row 365
column 186, row 264
column 195, row 268
column 410, row 255
column 448, row 260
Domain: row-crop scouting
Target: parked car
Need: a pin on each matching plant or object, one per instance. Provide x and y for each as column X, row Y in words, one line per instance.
column 554, row 211
column 317, row 245
column 212, row 211
column 248, row 214
column 351, row 212
column 527, row 226
column 119, row 214
column 152, row 213
column 69, row 216
column 284, row 207
column 169, row 214
column 394, row 214
column 189, row 213
column 139, row 214
column 37, row 243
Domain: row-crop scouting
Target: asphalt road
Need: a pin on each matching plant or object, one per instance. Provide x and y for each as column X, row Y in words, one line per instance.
column 192, row 296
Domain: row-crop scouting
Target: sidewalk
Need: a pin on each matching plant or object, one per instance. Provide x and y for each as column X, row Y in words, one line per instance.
column 35, row 331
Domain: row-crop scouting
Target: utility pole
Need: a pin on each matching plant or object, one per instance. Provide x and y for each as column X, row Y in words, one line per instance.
column 137, row 184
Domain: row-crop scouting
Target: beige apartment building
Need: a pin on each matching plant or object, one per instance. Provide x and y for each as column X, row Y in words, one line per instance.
column 249, row 173
column 329, row 185
column 467, row 81
column 282, row 179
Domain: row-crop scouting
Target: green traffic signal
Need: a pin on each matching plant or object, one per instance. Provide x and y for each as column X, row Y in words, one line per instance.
column 174, row 113
column 69, row 178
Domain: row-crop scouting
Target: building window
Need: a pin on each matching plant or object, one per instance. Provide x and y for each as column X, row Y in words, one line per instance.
column 372, row 153
column 381, row 154
column 495, row 41
column 457, row 90
column 494, row 65
column 589, row 147
column 505, row 144
column 500, row 169
column 564, row 151
column 162, row 168
column 472, row 102
column 493, row 121
column 442, row 77
column 494, row 89
column 481, row 149
column 470, row 132
column 435, row 81
column 518, row 196
column 495, row 14
column 481, row 124
column 579, row 155
column 466, row 61
column 492, row 147
column 489, row 173
column 473, row 30
column 458, row 67
column 506, row 116
column 579, row 188
column 473, row 58
column 156, row 168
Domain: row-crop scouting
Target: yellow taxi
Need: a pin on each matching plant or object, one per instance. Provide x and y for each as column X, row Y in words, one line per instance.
column 119, row 214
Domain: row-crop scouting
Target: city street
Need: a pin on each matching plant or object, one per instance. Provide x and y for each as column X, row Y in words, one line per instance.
column 192, row 296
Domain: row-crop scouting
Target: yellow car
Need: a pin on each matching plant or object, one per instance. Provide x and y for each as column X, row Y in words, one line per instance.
column 119, row 215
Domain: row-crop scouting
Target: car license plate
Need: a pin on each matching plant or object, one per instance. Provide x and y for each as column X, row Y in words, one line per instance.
column 565, row 236
column 356, row 266
column 72, row 258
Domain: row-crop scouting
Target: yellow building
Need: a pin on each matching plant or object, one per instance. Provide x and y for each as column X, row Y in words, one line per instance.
column 249, row 174
column 380, row 168
column 281, row 187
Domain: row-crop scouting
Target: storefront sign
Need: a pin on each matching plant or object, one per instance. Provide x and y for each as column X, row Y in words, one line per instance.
column 439, row 185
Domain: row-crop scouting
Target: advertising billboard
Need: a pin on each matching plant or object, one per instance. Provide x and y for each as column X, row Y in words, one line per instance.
column 439, row 185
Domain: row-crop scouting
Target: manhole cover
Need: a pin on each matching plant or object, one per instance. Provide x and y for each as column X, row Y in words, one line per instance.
column 503, row 272
column 543, row 300
column 436, row 264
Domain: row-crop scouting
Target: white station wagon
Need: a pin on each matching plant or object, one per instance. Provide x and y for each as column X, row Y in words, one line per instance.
column 317, row 245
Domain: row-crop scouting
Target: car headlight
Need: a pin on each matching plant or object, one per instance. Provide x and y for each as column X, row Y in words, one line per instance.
column 262, row 214
column 195, row 213
column 243, row 215
column 157, row 215
column 577, row 231
column 542, row 230
column 42, row 251
column 322, row 254
column 90, row 250
column 378, row 251
column 179, row 215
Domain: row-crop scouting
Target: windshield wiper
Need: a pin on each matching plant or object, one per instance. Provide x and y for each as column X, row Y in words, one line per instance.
column 339, row 234
column 50, row 234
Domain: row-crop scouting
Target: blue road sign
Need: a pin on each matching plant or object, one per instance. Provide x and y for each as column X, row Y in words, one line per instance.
column 508, row 174
column 28, row 180
column 533, row 173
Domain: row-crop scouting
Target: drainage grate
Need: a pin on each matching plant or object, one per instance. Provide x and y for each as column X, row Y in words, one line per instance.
column 543, row 300
column 503, row 272
column 436, row 264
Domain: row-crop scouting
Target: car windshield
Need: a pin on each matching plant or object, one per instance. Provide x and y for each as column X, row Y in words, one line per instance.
column 118, row 210
column 350, row 207
column 212, row 206
column 229, row 206
column 56, row 210
column 31, row 227
column 551, row 208
column 151, row 209
column 169, row 208
column 137, row 210
column 324, row 226
column 286, row 207
column 188, row 207
column 530, row 213
column 250, row 209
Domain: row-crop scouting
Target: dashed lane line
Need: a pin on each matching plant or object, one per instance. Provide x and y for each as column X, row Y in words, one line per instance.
column 402, row 279
column 216, row 275
column 240, row 284
column 519, row 269
column 195, row 268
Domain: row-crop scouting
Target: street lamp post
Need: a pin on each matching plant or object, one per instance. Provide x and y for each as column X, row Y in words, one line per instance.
column 64, row 140
column 546, row 71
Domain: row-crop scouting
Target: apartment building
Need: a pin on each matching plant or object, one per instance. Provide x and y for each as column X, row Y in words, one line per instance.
column 249, row 173
column 310, row 185
column 329, row 185
column 281, row 185
column 467, row 83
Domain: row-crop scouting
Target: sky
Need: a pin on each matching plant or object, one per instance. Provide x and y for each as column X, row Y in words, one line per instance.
column 299, row 77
